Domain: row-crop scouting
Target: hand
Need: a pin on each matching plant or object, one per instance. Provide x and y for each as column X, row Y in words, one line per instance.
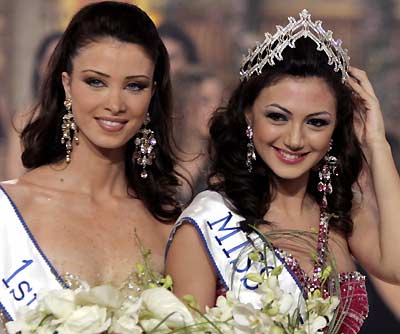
column 368, row 123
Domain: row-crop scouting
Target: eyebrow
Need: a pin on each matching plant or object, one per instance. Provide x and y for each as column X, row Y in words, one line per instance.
column 289, row 112
column 108, row 76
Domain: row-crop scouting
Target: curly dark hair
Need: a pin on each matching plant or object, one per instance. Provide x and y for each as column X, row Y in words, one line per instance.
column 252, row 193
column 41, row 137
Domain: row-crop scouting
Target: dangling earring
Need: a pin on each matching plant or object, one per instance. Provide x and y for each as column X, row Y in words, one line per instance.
column 251, row 154
column 326, row 171
column 144, row 150
column 69, row 129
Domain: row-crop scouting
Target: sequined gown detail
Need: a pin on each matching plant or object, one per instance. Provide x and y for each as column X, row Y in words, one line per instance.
column 353, row 308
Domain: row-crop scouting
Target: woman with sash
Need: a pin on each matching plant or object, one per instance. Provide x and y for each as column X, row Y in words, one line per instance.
column 101, row 168
column 300, row 146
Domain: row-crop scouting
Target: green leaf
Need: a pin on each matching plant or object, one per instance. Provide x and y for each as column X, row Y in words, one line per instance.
column 167, row 282
column 190, row 300
column 277, row 271
column 255, row 277
column 254, row 256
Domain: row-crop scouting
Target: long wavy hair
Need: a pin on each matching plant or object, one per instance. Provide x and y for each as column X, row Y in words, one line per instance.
column 252, row 193
column 41, row 137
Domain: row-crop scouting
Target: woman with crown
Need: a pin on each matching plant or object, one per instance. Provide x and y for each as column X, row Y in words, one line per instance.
column 300, row 146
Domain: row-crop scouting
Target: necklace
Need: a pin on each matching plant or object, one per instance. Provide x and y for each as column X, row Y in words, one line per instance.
column 313, row 282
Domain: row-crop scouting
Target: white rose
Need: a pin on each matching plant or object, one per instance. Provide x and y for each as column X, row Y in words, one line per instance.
column 102, row 295
column 163, row 303
column 60, row 303
column 125, row 325
column 86, row 320
column 125, row 319
column 26, row 320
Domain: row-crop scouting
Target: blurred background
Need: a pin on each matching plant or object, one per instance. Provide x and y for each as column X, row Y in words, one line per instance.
column 221, row 31
column 206, row 40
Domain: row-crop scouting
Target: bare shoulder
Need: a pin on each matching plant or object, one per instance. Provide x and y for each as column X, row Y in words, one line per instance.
column 190, row 267
column 188, row 246
column 186, row 233
column 17, row 190
column 29, row 188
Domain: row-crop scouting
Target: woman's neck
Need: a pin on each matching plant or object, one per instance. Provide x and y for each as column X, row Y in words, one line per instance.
column 291, row 196
column 92, row 171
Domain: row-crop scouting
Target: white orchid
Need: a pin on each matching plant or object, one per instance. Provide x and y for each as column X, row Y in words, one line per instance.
column 322, row 306
column 276, row 301
column 223, row 309
column 248, row 320
column 315, row 324
column 319, row 312
column 104, row 309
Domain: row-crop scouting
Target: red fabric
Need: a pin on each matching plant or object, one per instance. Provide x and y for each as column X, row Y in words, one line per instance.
column 354, row 302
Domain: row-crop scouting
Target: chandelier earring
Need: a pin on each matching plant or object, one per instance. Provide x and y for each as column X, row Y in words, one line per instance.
column 69, row 129
column 251, row 153
column 327, row 169
column 145, row 142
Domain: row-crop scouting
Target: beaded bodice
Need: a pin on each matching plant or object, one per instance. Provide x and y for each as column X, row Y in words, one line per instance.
column 353, row 294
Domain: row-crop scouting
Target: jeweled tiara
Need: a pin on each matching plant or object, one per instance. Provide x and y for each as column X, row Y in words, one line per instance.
column 272, row 47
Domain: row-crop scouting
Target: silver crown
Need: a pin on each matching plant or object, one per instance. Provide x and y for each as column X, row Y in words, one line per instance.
column 272, row 47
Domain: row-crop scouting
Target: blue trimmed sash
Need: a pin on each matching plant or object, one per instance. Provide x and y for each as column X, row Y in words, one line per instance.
column 228, row 246
column 24, row 269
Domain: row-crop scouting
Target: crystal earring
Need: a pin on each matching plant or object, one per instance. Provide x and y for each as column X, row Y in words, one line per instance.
column 328, row 168
column 69, row 129
column 251, row 154
column 144, row 147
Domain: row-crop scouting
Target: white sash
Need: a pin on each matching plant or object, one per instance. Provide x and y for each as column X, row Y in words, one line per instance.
column 24, row 269
column 228, row 246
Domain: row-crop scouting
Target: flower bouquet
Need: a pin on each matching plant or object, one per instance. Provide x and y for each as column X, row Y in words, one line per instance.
column 103, row 309
column 151, row 307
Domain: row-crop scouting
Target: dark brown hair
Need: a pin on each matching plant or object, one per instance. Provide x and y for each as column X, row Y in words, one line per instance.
column 41, row 137
column 252, row 193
